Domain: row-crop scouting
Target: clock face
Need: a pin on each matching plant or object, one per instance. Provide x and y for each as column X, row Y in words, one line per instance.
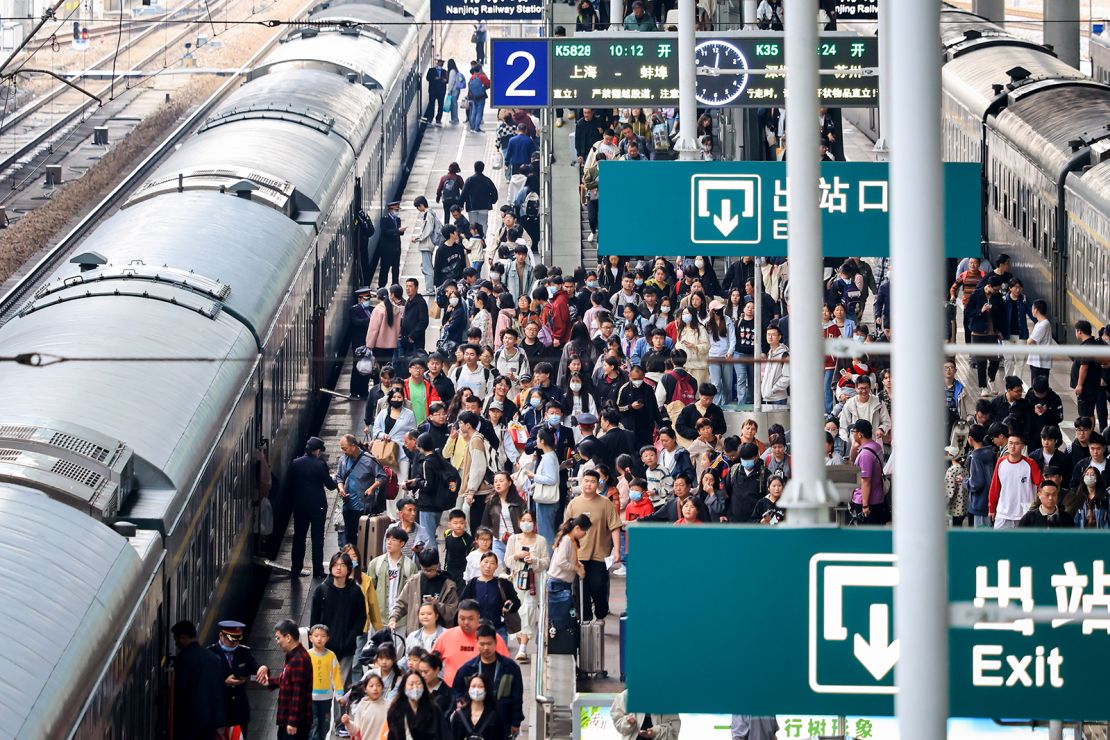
column 722, row 72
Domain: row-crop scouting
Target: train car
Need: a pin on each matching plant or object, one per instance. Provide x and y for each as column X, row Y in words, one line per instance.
column 212, row 306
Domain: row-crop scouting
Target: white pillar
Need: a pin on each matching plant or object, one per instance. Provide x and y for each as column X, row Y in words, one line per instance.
column 757, row 301
column 1061, row 29
column 808, row 495
column 749, row 15
column 687, row 144
column 917, row 250
column 992, row 10
column 884, row 142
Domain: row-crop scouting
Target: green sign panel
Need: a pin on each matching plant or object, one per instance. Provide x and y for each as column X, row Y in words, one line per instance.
column 802, row 620
column 745, row 69
column 741, row 208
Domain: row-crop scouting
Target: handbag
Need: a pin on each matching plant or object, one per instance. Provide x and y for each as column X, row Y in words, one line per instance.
column 474, row 37
column 364, row 361
column 545, row 493
column 512, row 617
column 449, row 101
column 385, row 452
column 498, row 160
column 337, row 520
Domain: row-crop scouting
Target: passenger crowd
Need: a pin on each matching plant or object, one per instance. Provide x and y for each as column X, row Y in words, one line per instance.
column 558, row 409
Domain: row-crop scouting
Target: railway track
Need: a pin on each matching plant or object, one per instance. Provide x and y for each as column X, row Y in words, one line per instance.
column 22, row 288
column 33, row 125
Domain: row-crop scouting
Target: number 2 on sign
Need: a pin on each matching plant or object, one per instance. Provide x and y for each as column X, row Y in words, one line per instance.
column 529, row 67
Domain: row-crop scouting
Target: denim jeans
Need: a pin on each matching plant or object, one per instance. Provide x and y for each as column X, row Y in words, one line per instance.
column 545, row 520
column 478, row 216
column 429, row 520
column 829, row 373
column 321, row 720
column 454, row 107
column 474, row 116
column 744, row 384
column 981, row 521
column 560, row 603
column 499, row 548
column 429, row 272
column 721, row 374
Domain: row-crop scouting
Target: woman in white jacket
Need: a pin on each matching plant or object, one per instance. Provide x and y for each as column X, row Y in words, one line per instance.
column 394, row 421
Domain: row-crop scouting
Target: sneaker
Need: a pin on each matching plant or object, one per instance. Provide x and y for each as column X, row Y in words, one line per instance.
column 591, row 237
column 620, row 571
column 521, row 655
column 304, row 573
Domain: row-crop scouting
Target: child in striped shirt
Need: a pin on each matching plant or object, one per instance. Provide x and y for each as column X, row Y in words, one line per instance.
column 327, row 681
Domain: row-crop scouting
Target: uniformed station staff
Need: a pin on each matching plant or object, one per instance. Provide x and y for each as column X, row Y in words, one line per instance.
column 239, row 668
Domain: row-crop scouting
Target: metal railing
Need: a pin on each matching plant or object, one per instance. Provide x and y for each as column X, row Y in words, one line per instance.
column 541, row 716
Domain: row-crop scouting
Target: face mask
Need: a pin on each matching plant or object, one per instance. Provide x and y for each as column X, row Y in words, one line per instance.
column 664, row 310
column 635, row 495
column 553, row 421
column 364, row 301
column 415, row 694
column 453, row 300
column 396, row 404
column 688, row 318
column 354, row 563
column 747, row 464
column 699, row 263
column 637, row 282
column 576, row 387
column 227, row 649
column 591, row 284
column 527, row 526
column 637, row 383
column 1089, row 480
column 535, row 402
column 477, row 694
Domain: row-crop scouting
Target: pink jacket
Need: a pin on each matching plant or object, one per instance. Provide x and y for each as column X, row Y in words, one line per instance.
column 505, row 318
column 380, row 335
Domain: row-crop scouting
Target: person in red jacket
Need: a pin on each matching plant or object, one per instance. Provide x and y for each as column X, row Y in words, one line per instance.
column 418, row 391
column 560, row 313
column 294, row 684
column 1013, row 485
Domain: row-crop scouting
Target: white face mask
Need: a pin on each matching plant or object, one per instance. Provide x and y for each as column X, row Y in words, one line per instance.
column 1090, row 480
column 699, row 263
column 527, row 526
column 688, row 318
column 453, row 300
column 637, row 383
column 477, row 694
column 576, row 387
column 415, row 694
column 664, row 310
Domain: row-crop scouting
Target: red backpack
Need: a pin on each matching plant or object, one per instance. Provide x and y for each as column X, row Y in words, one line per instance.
column 685, row 388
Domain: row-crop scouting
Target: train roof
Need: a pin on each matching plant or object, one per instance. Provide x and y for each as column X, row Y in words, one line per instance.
column 390, row 20
column 375, row 62
column 1047, row 117
column 167, row 411
column 970, row 77
column 68, row 585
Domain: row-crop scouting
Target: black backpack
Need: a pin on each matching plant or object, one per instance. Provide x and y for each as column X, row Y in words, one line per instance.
column 451, row 191
column 450, row 484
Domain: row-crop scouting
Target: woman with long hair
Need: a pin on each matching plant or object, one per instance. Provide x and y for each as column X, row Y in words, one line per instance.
column 1089, row 503
column 563, row 569
column 483, row 317
column 722, row 347
column 526, row 555
column 339, row 603
column 456, row 83
column 394, row 421
column 504, row 508
column 578, row 398
column 546, row 474
column 579, row 345
column 365, row 584
column 413, row 715
column 492, row 593
column 384, row 333
column 694, row 340
column 477, row 717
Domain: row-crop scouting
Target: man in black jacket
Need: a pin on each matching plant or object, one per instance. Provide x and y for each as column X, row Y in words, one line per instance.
column 638, row 408
column 1045, row 408
column 305, row 482
column 414, row 321
column 588, row 130
column 614, row 440
column 704, row 408
column 358, row 318
column 389, row 244
column 672, row 510
column 437, row 90
column 479, row 195
column 198, row 688
column 746, row 484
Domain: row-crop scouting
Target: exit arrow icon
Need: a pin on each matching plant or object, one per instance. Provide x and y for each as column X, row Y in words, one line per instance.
column 877, row 654
column 726, row 222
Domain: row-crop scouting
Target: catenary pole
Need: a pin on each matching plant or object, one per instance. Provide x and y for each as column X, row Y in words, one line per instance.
column 808, row 495
column 1061, row 29
column 687, row 144
column 992, row 10
column 917, row 250
column 884, row 142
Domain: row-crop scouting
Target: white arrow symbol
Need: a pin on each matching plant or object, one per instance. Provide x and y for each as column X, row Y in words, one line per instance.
column 726, row 222
column 878, row 655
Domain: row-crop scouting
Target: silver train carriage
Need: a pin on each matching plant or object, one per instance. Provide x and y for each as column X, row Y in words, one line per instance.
column 232, row 268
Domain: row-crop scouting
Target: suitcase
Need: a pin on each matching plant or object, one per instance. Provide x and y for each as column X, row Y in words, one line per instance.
column 591, row 647
column 371, row 537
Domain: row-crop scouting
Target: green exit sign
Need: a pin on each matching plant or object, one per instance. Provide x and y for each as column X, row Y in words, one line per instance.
column 805, row 621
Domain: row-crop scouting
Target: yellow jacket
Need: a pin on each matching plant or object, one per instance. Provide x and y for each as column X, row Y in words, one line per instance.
column 373, row 611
